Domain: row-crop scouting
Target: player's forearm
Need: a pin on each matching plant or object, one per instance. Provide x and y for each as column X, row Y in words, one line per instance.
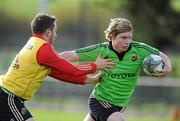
column 93, row 79
column 89, row 80
column 77, row 70
column 76, row 79
column 68, row 78
column 70, row 55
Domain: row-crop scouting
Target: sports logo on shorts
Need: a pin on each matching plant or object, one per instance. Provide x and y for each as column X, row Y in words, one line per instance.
column 23, row 111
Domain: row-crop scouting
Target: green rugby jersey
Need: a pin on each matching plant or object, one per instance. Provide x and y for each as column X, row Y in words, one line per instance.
column 118, row 86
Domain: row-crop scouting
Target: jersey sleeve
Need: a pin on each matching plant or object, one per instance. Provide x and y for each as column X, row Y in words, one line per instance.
column 67, row 78
column 89, row 53
column 46, row 56
column 145, row 49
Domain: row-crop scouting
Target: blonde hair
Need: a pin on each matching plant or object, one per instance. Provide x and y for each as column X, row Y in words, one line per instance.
column 116, row 26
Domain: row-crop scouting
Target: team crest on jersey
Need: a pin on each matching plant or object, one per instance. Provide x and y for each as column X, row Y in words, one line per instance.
column 134, row 57
column 106, row 57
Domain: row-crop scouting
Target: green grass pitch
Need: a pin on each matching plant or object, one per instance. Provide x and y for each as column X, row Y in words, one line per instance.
column 56, row 115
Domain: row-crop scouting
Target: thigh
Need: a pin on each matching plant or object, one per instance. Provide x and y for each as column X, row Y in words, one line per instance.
column 12, row 108
column 88, row 118
column 100, row 110
column 116, row 116
column 30, row 119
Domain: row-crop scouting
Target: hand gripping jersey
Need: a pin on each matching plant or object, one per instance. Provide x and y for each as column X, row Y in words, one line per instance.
column 117, row 87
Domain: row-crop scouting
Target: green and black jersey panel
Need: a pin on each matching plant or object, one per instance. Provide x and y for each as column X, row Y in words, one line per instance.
column 117, row 87
column 144, row 49
column 90, row 53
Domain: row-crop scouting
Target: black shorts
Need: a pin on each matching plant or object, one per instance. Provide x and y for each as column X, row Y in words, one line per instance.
column 100, row 110
column 12, row 108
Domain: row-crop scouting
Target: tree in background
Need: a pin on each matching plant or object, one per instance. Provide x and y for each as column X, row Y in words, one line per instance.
column 160, row 18
column 156, row 20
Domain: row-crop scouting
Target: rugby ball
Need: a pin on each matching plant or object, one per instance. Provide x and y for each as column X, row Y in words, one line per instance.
column 152, row 64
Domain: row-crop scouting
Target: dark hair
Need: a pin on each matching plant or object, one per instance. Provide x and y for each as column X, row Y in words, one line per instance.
column 41, row 22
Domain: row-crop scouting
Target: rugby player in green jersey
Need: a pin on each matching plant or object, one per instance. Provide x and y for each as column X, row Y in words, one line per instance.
column 115, row 88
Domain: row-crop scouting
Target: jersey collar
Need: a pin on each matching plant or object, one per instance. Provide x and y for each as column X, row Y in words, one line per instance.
column 120, row 55
column 38, row 36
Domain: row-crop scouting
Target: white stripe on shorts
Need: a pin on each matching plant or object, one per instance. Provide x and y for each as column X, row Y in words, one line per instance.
column 14, row 109
column 104, row 104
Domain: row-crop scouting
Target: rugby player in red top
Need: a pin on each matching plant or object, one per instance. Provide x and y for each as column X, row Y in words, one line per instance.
column 33, row 63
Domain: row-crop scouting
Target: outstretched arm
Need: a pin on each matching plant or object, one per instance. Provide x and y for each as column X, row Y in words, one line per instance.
column 62, row 69
column 46, row 56
column 87, row 79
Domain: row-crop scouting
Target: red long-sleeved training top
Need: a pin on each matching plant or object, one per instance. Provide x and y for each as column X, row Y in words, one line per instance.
column 62, row 69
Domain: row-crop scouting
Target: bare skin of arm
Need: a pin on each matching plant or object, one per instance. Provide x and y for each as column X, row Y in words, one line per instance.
column 100, row 63
column 167, row 65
